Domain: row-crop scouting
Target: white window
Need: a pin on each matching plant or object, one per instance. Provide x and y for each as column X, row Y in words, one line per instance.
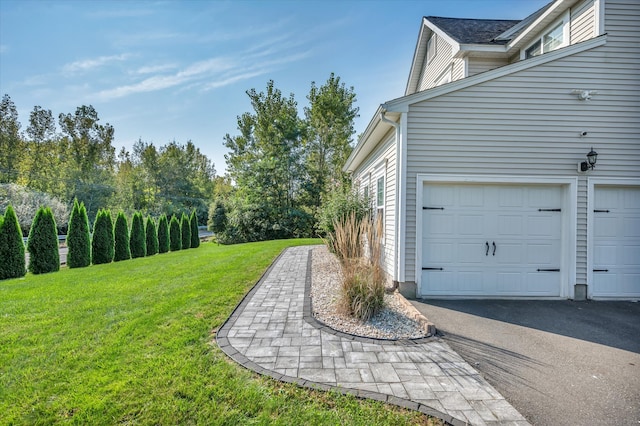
column 431, row 48
column 380, row 192
column 554, row 37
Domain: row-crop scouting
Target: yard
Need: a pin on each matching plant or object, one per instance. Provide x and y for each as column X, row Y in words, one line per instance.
column 133, row 343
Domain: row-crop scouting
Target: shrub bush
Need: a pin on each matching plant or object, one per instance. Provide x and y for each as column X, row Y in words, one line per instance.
column 163, row 234
column 44, row 254
column 137, row 240
column 185, row 230
column 339, row 204
column 175, row 234
column 195, row 234
column 122, row 251
column 78, row 238
column 12, row 263
column 151, row 236
column 103, row 242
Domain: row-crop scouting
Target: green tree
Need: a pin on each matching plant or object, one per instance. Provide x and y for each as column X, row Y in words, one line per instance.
column 163, row 234
column 195, row 234
column 175, row 234
column 330, row 118
column 44, row 254
column 10, row 141
column 152, row 236
column 121, row 236
column 265, row 162
column 40, row 167
column 12, row 262
column 137, row 240
column 103, row 242
column 78, row 238
column 185, row 230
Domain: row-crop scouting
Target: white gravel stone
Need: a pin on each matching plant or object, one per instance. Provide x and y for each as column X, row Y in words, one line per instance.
column 392, row 322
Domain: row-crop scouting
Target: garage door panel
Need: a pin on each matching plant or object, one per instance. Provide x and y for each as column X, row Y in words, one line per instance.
column 616, row 242
column 505, row 215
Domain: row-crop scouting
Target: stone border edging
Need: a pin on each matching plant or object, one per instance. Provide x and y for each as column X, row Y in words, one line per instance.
column 226, row 347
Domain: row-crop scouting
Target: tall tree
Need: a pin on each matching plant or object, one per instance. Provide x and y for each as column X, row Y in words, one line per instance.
column 175, row 234
column 78, row 237
column 152, row 236
column 185, row 230
column 10, row 141
column 163, row 234
column 330, row 117
column 195, row 237
column 91, row 156
column 44, row 254
column 41, row 167
column 12, row 262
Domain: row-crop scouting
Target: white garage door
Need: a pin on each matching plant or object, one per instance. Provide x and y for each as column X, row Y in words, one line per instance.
column 616, row 242
column 491, row 240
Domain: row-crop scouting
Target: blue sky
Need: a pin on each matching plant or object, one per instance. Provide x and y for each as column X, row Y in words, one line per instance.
column 178, row 70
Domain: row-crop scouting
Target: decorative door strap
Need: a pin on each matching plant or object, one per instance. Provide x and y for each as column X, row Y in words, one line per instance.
column 433, row 208
column 601, row 211
column 548, row 270
column 432, row 269
column 549, row 210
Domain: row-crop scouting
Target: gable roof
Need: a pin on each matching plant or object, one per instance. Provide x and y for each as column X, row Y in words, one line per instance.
column 473, row 31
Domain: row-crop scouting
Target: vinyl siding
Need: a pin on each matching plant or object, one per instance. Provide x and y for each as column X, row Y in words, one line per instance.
column 528, row 124
column 437, row 66
column 478, row 65
column 457, row 71
column 583, row 22
column 374, row 165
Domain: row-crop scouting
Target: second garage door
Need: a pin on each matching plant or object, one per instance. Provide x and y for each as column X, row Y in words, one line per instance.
column 491, row 240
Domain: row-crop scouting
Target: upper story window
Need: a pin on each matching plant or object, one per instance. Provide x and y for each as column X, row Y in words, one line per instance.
column 431, row 48
column 554, row 38
column 380, row 192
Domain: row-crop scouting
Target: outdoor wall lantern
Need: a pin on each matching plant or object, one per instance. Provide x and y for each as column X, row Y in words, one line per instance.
column 592, row 157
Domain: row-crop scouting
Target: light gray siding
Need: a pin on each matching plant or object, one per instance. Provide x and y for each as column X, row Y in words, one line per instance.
column 458, row 69
column 478, row 65
column 383, row 162
column 528, row 124
column 440, row 63
column 583, row 21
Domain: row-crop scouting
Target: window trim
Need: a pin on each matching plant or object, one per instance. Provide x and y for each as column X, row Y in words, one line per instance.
column 564, row 22
column 432, row 48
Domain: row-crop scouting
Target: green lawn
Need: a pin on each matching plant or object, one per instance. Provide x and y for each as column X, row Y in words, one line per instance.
column 132, row 343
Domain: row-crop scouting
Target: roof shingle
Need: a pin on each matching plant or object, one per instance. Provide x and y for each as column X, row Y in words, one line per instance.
column 473, row 31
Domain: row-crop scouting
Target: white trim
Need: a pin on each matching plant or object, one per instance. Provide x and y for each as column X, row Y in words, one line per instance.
column 565, row 21
column 455, row 46
column 599, row 9
column 591, row 184
column 553, row 9
column 401, row 198
column 569, row 219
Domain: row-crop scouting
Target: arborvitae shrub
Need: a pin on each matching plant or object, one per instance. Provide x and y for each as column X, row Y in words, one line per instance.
column 78, row 238
column 103, row 242
column 12, row 264
column 152, row 236
column 44, row 255
column 175, row 234
column 137, row 240
column 195, row 238
column 185, row 229
column 163, row 234
column 121, row 237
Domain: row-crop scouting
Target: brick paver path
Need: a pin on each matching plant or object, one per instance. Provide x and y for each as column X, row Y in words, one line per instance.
column 273, row 332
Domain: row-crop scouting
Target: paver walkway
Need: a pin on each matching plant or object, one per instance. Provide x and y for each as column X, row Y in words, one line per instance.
column 273, row 332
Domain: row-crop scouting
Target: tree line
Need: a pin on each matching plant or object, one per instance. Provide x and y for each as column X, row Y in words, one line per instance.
column 281, row 166
column 55, row 162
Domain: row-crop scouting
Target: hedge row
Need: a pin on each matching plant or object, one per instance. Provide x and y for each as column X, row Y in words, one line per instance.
column 110, row 241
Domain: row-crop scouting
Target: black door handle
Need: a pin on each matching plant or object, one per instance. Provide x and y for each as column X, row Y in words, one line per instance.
column 494, row 248
column 487, row 252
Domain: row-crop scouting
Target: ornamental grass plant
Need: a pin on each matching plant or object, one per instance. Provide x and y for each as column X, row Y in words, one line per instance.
column 358, row 245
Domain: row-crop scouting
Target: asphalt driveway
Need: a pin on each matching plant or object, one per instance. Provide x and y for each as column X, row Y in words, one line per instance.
column 557, row 362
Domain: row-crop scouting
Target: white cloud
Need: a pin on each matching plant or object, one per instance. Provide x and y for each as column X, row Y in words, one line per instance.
column 88, row 64
column 152, row 69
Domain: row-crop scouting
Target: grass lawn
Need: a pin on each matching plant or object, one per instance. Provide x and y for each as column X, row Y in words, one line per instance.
column 132, row 343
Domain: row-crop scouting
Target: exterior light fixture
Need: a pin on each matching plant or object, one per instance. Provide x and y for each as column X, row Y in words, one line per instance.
column 584, row 95
column 592, row 157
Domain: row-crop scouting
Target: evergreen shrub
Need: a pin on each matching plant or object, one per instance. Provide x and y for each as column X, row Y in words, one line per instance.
column 175, row 234
column 78, row 238
column 122, row 251
column 185, row 229
column 103, row 242
column 12, row 263
column 163, row 234
column 44, row 255
column 137, row 240
column 195, row 238
column 152, row 236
